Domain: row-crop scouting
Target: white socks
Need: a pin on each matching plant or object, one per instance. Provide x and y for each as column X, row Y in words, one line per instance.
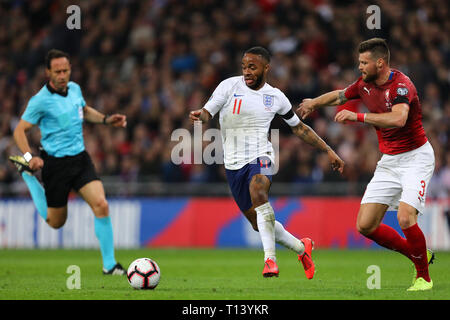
column 286, row 239
column 271, row 231
column 265, row 219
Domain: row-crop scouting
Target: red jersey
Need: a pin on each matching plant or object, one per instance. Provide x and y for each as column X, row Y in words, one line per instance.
column 380, row 99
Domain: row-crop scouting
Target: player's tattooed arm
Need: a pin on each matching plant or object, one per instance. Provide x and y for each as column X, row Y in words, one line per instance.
column 308, row 135
column 342, row 98
column 332, row 98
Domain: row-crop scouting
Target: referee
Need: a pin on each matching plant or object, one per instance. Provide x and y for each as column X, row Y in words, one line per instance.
column 59, row 110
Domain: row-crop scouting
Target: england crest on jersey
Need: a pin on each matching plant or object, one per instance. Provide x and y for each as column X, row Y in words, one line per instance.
column 268, row 100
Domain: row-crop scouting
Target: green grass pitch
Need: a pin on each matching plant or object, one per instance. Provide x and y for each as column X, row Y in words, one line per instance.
column 217, row 274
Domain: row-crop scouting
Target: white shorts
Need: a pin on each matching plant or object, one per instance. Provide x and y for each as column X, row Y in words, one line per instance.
column 402, row 177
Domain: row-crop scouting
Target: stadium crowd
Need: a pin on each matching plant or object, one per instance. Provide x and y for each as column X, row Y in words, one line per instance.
column 157, row 60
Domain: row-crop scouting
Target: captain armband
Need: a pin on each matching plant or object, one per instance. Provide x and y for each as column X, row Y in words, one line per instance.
column 291, row 118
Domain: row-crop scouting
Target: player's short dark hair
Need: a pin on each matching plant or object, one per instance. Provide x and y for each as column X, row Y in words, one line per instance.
column 53, row 54
column 263, row 52
column 377, row 47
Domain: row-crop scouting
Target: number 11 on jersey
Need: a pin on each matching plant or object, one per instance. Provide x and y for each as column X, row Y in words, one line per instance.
column 238, row 104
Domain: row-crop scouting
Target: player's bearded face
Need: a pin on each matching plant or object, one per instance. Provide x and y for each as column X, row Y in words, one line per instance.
column 254, row 69
column 59, row 73
column 367, row 67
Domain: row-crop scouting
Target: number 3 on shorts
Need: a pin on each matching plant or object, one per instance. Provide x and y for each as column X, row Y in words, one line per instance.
column 422, row 192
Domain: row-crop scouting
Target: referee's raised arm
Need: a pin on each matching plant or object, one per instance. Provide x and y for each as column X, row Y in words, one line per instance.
column 94, row 116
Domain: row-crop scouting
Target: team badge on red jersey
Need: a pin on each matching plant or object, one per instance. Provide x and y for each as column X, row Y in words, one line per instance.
column 388, row 101
column 386, row 93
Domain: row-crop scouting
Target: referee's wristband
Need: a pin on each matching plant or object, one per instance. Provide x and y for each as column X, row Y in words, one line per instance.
column 27, row 156
column 104, row 119
column 361, row 117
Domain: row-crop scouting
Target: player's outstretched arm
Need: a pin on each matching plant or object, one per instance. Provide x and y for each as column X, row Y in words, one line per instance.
column 116, row 120
column 394, row 119
column 200, row 115
column 332, row 98
column 308, row 135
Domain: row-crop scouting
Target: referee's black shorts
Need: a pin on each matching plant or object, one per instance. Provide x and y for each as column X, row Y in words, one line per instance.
column 60, row 175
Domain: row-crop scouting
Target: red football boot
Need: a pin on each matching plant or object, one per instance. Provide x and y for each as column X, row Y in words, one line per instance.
column 270, row 269
column 305, row 258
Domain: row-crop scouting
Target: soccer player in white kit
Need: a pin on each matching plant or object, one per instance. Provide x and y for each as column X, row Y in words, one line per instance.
column 246, row 105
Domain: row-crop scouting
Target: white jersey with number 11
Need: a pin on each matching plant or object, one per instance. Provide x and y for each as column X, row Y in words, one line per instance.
column 245, row 117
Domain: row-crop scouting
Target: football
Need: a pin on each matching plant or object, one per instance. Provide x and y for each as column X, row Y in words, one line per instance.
column 143, row 273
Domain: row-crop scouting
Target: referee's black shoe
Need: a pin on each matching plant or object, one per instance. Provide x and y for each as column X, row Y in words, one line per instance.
column 117, row 270
column 21, row 164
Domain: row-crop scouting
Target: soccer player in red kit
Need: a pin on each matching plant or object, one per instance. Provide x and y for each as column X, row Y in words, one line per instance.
column 407, row 164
